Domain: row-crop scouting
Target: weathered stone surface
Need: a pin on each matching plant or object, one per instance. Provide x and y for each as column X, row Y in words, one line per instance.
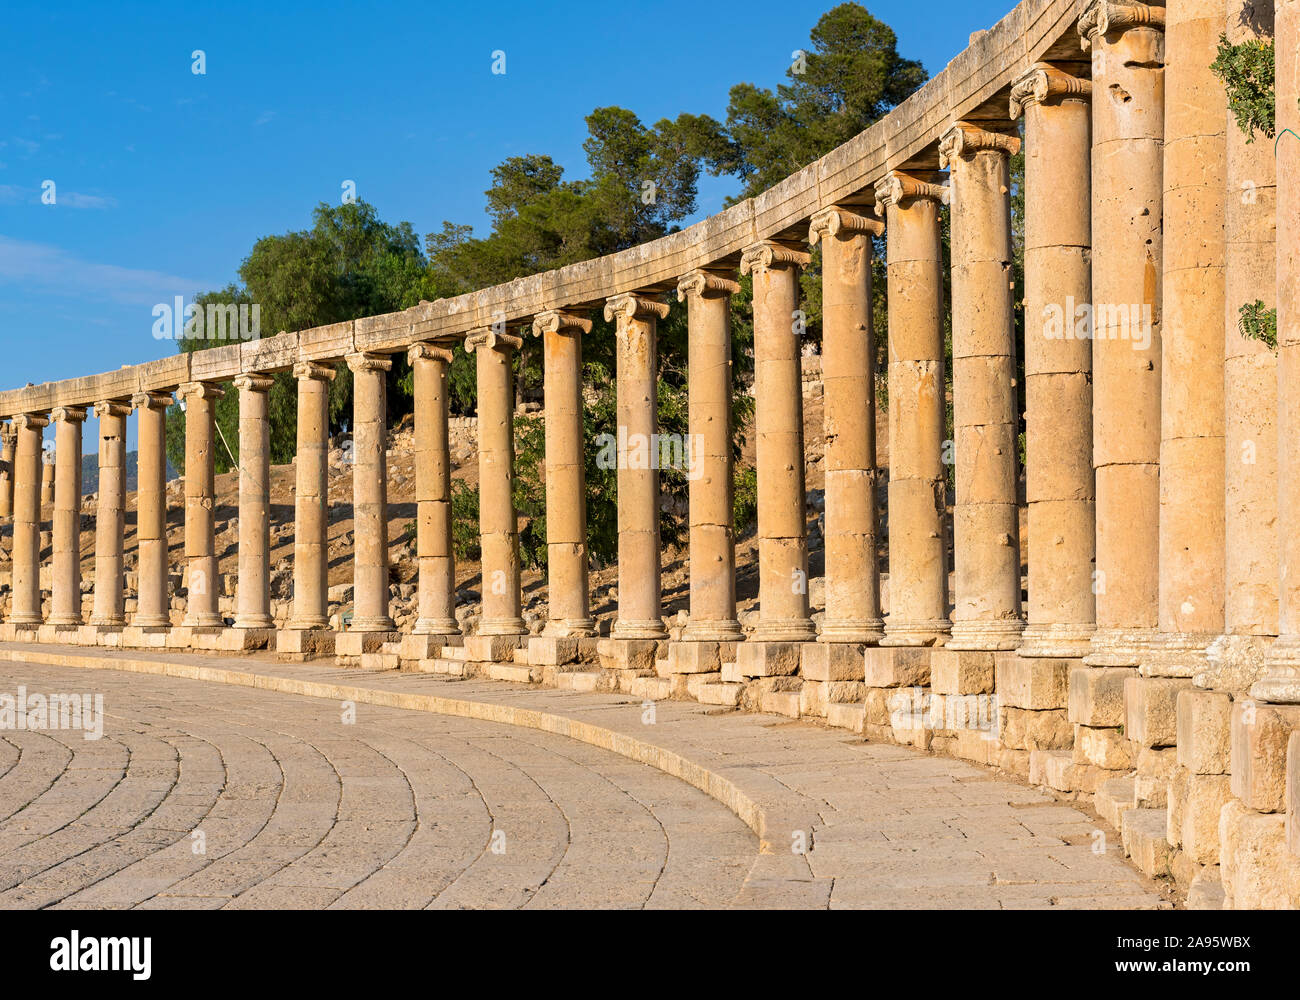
column 961, row 671
column 1204, row 731
column 1019, row 729
column 1097, row 695
column 1036, row 683
column 897, row 666
column 1260, row 734
column 1252, row 849
column 1103, row 747
column 1150, row 709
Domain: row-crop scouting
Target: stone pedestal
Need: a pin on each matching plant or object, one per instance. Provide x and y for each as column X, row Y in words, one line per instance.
column 202, row 573
column 918, row 533
column 640, row 614
column 784, row 614
column 566, row 483
column 498, row 529
column 849, row 376
column 437, row 594
column 712, row 474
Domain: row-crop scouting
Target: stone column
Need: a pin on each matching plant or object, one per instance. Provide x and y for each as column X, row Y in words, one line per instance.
column 437, row 612
column 110, row 516
column 370, row 492
column 65, row 604
column 1058, row 360
column 202, row 573
column 1250, row 388
column 8, row 439
column 1281, row 682
column 254, row 607
column 849, row 373
column 151, row 510
column 28, row 451
column 498, row 525
column 566, row 486
column 47, row 484
column 712, row 474
column 311, row 499
column 986, row 516
column 918, row 551
column 778, row 424
column 1127, row 42
column 640, row 614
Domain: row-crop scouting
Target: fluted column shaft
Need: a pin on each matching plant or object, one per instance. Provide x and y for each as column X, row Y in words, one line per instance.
column 151, row 509
column 1059, row 483
column 566, row 500
column 65, row 604
column 28, row 450
column 1127, row 42
column 778, row 423
column 1281, row 683
column 498, row 523
column 202, row 586
column 1250, row 366
column 639, row 591
column 849, row 377
column 254, row 595
column 370, row 492
column 711, row 477
column 311, row 499
column 8, row 440
column 1192, row 379
column 110, row 516
column 918, row 551
column 986, row 519
column 437, row 587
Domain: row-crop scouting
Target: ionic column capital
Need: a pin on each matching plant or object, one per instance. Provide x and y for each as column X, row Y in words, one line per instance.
column 369, row 363
column 1101, row 17
column 963, row 140
column 253, row 382
column 113, row 408
column 200, row 390
column 151, row 400
column 492, row 340
column 1044, row 82
column 835, row 220
column 630, row 306
column 772, row 256
column 558, row 321
column 68, row 414
column 707, row 284
column 899, row 188
column 31, row 421
column 428, row 352
column 311, row 371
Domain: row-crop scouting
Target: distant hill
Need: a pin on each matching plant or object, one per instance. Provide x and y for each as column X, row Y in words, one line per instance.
column 90, row 472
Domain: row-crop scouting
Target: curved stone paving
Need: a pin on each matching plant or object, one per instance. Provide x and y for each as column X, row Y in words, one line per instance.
column 399, row 809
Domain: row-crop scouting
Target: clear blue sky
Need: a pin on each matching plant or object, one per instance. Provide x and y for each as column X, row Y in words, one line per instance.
column 164, row 178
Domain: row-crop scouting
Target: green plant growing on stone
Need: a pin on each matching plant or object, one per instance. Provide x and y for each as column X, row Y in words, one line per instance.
column 1246, row 70
column 1259, row 323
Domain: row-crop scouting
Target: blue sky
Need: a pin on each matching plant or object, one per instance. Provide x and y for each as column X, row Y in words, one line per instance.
column 163, row 178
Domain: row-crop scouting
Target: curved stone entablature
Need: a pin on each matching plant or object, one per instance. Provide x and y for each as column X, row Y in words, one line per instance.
column 972, row 87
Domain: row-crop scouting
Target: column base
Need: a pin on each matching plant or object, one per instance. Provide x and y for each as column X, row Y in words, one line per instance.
column 107, row 622
column 867, row 631
column 204, row 619
column 647, row 630
column 784, row 630
column 436, row 626
column 1177, row 654
column 986, row 636
column 151, row 621
column 356, row 643
column 1118, row 647
column 1280, row 684
column 569, row 628
column 918, row 633
column 26, row 620
column 696, row 656
column 254, row 622
column 825, row 660
column 299, row 645
column 65, row 621
column 307, row 624
column 704, row 630
column 1056, row 641
column 427, row 645
column 763, row 658
column 502, row 626
column 378, row 623
column 493, row 647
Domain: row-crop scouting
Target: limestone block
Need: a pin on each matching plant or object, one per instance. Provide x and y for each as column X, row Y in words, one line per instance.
column 875, row 703
column 768, row 659
column 832, row 661
column 1260, row 733
column 1293, row 795
column 1204, row 731
column 845, row 717
column 961, row 671
column 627, row 654
column 1097, row 695
column 1206, row 890
column 1114, row 798
column 1205, row 797
column 1151, row 709
column 1019, row 729
column 812, row 699
column 897, row 666
column 1105, row 747
column 548, row 650
column 1251, row 855
column 1143, row 836
column 1032, row 682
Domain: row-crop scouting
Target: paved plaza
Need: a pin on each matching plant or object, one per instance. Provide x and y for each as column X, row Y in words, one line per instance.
column 215, row 794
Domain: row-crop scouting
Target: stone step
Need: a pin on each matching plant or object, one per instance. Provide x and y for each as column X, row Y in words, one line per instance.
column 577, row 680
column 454, row 653
column 722, row 693
column 653, row 688
column 1039, row 761
column 780, row 703
column 1206, row 890
column 1114, row 798
column 519, row 655
column 849, row 717
column 512, row 672
column 381, row 661
column 441, row 665
column 696, row 681
column 1144, row 840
